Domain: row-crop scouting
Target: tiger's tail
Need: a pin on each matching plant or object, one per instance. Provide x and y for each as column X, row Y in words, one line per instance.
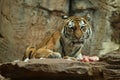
column 30, row 51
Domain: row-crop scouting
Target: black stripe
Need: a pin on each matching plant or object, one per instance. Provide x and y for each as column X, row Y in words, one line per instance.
column 62, row 44
column 30, row 55
column 76, row 52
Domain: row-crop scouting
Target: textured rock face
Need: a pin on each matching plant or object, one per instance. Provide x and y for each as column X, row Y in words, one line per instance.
column 55, row 69
column 108, row 68
column 26, row 22
column 101, row 12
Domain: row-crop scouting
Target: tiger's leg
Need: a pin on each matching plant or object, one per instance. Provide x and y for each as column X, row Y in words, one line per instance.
column 28, row 54
column 54, row 55
column 69, row 58
column 78, row 55
column 75, row 58
column 46, row 53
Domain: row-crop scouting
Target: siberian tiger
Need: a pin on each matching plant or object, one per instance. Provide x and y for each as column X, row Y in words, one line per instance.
column 68, row 41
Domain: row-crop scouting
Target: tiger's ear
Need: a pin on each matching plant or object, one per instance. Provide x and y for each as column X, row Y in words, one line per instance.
column 64, row 17
column 87, row 17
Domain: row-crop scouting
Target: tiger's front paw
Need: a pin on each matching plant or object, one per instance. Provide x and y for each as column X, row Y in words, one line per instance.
column 70, row 58
column 54, row 55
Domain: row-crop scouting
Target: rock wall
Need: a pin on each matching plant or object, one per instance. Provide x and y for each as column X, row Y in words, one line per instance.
column 102, row 24
column 26, row 22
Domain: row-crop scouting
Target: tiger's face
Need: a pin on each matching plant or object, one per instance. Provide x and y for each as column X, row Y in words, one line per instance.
column 77, row 29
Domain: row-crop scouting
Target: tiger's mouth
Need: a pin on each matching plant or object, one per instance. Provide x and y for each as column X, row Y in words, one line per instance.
column 78, row 41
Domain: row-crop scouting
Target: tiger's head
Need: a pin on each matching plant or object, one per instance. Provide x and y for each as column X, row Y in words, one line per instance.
column 77, row 29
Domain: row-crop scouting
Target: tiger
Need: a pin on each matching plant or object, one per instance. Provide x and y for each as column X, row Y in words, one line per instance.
column 67, row 41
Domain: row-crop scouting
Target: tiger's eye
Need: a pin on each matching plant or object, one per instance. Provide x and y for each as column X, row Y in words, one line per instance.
column 71, row 24
column 83, row 28
column 82, row 25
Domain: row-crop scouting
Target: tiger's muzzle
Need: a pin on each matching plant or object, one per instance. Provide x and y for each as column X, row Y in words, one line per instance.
column 80, row 41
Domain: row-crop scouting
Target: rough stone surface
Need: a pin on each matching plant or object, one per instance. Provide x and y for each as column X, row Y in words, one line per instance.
column 26, row 22
column 112, row 70
column 47, row 69
column 108, row 68
column 101, row 12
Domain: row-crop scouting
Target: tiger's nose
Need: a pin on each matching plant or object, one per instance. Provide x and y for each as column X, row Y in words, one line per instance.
column 78, row 34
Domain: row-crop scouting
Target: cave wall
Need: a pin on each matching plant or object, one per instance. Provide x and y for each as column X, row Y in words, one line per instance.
column 26, row 22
